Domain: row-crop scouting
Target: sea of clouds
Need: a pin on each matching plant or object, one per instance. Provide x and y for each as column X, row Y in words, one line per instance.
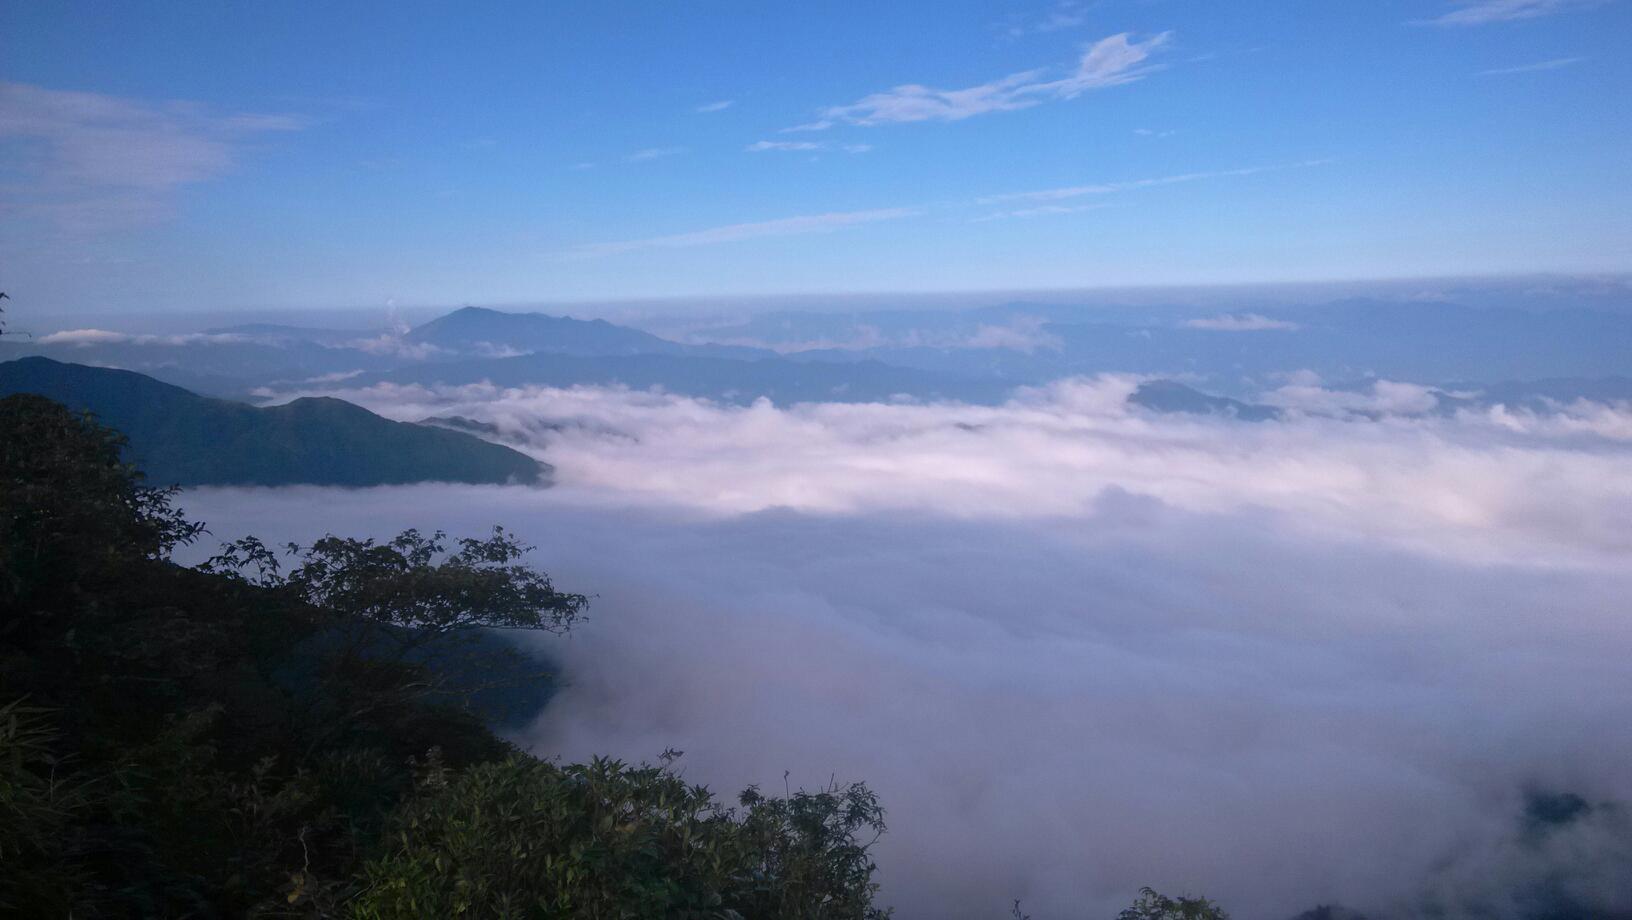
column 1076, row 647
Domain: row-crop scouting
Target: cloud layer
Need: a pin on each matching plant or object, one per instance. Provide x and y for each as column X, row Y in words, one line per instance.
column 1079, row 648
column 87, row 337
column 1492, row 485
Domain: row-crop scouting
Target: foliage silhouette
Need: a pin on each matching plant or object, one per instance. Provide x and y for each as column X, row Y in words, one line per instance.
column 253, row 742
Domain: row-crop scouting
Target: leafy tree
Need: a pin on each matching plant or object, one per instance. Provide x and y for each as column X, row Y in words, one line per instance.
column 68, row 506
column 37, row 813
column 253, row 742
column 1153, row 905
column 241, row 738
column 524, row 838
column 406, row 622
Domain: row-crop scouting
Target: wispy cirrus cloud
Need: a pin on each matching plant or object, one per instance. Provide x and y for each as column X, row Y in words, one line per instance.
column 1553, row 64
column 1111, row 61
column 1041, row 203
column 733, row 233
column 1484, row 12
column 653, row 153
column 1066, row 14
column 719, row 106
column 784, row 146
column 804, row 147
column 1045, row 210
column 1107, row 188
column 95, row 162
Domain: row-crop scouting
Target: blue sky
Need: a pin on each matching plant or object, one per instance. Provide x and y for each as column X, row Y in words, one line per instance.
column 217, row 156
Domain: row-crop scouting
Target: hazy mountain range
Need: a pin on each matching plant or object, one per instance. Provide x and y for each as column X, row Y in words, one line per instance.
column 1469, row 354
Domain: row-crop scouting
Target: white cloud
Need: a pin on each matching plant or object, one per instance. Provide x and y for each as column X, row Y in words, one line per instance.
column 1066, row 14
column 1107, row 188
column 1047, row 210
column 1240, row 322
column 1023, row 333
column 731, row 233
column 1383, row 397
column 1111, row 61
column 720, row 106
column 1078, row 648
column 87, row 337
column 393, row 343
column 805, row 146
column 653, row 153
column 1483, row 12
column 1553, row 64
column 785, row 146
column 336, row 377
column 98, row 162
column 1056, row 448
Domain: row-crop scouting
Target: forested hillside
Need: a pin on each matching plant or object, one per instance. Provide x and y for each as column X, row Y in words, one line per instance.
column 180, row 437
column 298, row 732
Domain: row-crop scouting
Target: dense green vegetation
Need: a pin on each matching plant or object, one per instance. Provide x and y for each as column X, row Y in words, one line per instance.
column 294, row 734
column 1153, row 905
column 180, row 437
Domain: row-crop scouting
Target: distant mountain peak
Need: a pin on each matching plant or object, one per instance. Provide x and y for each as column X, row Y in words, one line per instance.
column 482, row 331
column 1172, row 396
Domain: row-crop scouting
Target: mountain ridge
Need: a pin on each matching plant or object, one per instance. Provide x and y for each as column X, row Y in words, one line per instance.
column 475, row 329
column 180, row 437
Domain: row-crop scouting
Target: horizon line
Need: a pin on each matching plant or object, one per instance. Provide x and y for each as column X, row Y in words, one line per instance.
column 1614, row 275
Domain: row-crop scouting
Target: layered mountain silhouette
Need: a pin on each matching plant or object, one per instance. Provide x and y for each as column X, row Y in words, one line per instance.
column 477, row 330
column 1532, row 359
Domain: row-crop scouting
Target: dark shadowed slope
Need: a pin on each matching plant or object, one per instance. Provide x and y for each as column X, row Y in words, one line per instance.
column 181, row 437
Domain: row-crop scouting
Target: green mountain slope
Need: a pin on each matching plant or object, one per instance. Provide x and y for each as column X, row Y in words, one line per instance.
column 181, row 437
